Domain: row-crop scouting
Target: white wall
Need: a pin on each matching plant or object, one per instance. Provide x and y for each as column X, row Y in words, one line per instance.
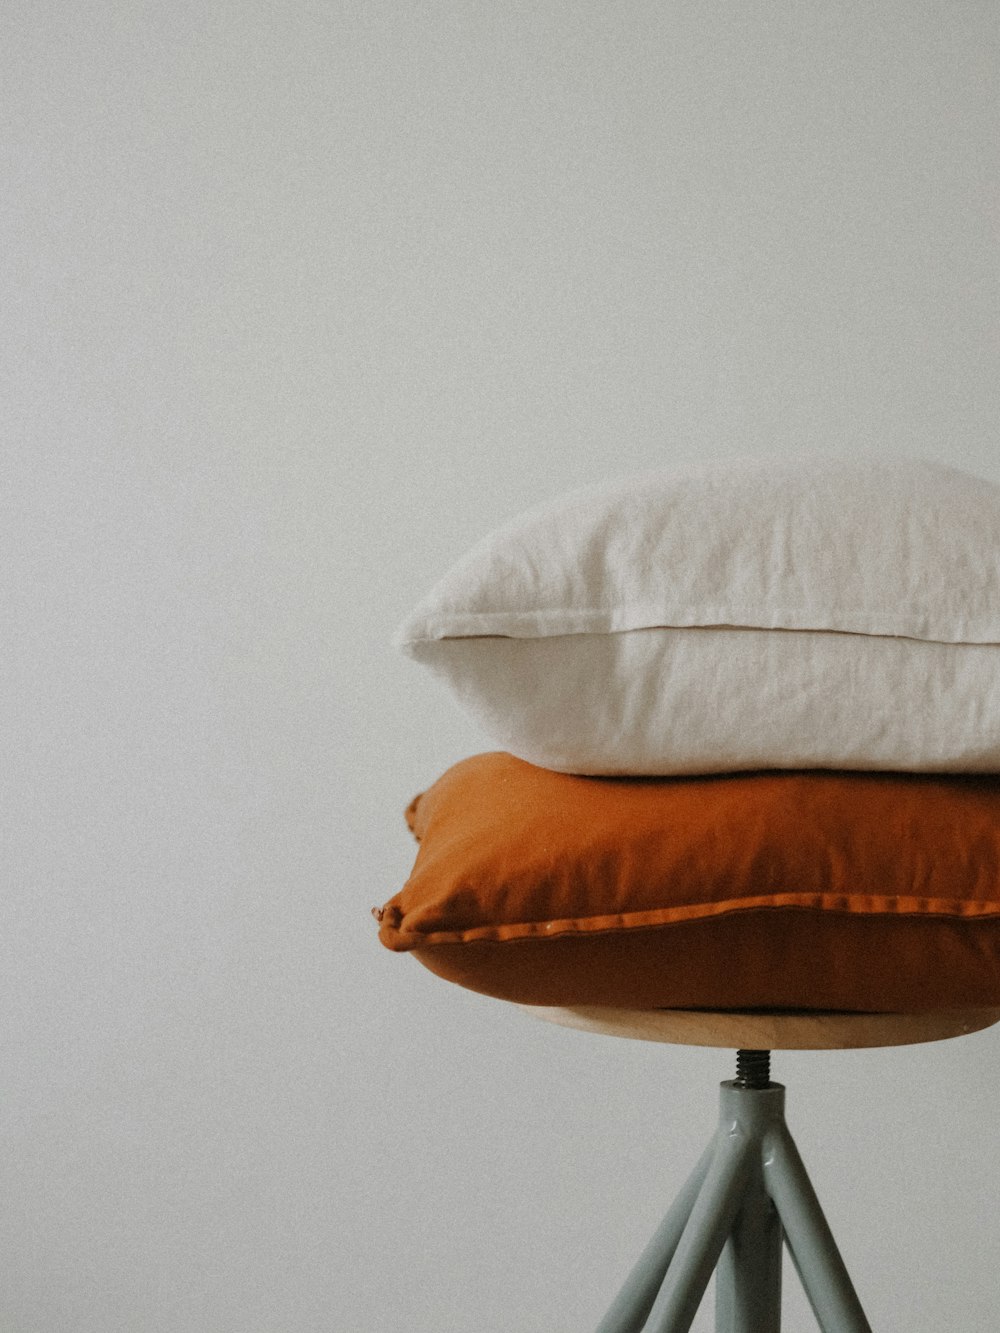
column 298, row 300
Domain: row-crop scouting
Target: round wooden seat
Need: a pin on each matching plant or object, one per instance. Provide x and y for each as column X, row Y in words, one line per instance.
column 770, row 1030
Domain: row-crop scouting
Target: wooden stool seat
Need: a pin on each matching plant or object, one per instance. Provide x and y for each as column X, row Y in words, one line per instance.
column 770, row 1030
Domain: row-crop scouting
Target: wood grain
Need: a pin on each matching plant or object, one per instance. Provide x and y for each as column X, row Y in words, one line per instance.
column 800, row 1030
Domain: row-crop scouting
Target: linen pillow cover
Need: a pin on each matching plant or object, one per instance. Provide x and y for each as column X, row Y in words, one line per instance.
column 803, row 612
column 874, row 892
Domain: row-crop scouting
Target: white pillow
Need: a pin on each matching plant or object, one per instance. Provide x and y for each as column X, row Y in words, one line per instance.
column 803, row 612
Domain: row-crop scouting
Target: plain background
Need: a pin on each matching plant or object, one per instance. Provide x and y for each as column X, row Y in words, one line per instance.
column 300, row 299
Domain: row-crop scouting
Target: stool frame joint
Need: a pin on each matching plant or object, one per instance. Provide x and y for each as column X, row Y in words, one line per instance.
column 748, row 1196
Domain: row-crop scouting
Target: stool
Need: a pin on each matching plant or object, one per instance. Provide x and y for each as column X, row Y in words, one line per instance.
column 749, row 1191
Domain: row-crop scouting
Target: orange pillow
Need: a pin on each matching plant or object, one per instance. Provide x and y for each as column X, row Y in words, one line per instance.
column 875, row 892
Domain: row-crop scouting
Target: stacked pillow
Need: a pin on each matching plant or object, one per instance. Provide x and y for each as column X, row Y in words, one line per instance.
column 750, row 725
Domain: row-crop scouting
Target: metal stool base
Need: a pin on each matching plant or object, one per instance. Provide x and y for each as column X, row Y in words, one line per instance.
column 748, row 1193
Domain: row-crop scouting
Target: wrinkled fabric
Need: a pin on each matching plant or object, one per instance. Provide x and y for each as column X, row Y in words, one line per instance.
column 781, row 613
column 858, row 891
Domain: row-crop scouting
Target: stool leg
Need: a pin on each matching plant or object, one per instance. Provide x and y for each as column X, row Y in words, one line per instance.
column 810, row 1242
column 748, row 1189
column 748, row 1278
column 635, row 1299
column 705, row 1234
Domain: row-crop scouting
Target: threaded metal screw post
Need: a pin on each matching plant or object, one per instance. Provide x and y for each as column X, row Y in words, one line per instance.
column 753, row 1069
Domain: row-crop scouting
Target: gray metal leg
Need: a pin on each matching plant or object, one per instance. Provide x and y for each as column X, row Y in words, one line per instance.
column 748, row 1191
column 705, row 1234
column 635, row 1299
column 748, row 1278
column 810, row 1242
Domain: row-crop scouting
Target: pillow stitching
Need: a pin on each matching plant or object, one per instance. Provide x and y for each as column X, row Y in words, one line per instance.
column 859, row 905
